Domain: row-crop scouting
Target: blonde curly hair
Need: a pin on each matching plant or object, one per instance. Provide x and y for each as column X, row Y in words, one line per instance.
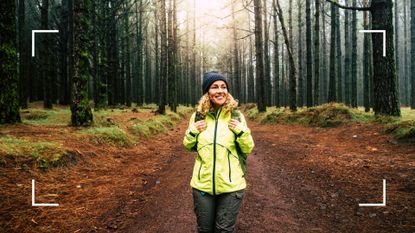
column 205, row 105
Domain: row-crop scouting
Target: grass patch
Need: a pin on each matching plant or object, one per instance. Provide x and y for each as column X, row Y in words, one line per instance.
column 327, row 115
column 45, row 154
column 402, row 130
column 113, row 136
column 38, row 116
column 141, row 129
column 156, row 125
column 182, row 110
column 252, row 113
column 159, row 123
column 333, row 115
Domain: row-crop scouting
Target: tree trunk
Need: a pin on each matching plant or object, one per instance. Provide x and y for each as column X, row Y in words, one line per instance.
column 293, row 72
column 317, row 53
column 267, row 74
column 45, row 56
column 139, row 34
column 236, row 72
column 397, row 50
column 324, row 79
column 332, row 96
column 163, row 58
column 23, row 53
column 260, row 82
column 384, row 79
column 300, row 55
column 309, row 56
column 339, row 66
column 128, row 56
column 81, row 112
column 9, row 102
column 347, row 66
column 354, row 58
column 405, row 79
column 172, row 58
column 413, row 54
column 366, row 62
column 276, row 60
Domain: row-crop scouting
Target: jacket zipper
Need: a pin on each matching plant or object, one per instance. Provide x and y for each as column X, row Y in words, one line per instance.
column 200, row 167
column 229, row 164
column 214, row 151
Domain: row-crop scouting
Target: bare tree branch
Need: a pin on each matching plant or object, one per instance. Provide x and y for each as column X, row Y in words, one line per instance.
column 350, row 7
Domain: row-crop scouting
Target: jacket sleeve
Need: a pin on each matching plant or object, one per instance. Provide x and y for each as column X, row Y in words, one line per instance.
column 190, row 137
column 243, row 136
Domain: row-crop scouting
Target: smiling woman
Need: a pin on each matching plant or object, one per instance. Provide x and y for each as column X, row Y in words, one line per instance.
column 218, row 179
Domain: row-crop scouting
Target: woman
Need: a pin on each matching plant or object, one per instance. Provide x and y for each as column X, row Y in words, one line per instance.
column 218, row 181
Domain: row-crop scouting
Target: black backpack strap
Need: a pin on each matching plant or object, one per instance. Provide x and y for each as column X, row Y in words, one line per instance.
column 236, row 114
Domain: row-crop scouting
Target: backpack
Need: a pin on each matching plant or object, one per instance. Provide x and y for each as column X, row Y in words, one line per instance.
column 235, row 114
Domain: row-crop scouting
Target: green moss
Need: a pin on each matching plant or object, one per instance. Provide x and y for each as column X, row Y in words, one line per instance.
column 55, row 116
column 408, row 114
column 252, row 113
column 113, row 136
column 327, row 115
column 43, row 153
column 155, row 126
column 141, row 130
column 182, row 111
column 166, row 121
column 174, row 116
column 158, row 124
column 402, row 130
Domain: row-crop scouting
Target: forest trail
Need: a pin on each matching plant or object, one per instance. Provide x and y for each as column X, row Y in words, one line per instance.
column 299, row 180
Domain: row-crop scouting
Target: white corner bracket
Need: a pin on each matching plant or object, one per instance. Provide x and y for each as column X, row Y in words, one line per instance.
column 33, row 198
column 39, row 31
column 384, row 198
column 384, row 37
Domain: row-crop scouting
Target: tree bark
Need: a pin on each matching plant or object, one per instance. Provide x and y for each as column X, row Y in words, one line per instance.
column 23, row 53
column 163, row 58
column 261, row 98
column 354, row 58
column 386, row 99
column 81, row 112
column 332, row 96
column 413, row 54
column 317, row 53
column 293, row 72
column 276, row 60
column 366, row 62
column 267, row 71
column 9, row 102
column 309, row 55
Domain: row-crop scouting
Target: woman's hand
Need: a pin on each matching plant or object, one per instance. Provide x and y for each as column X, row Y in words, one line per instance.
column 233, row 124
column 200, row 125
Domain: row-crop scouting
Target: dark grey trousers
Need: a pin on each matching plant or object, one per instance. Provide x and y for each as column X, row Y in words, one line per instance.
column 216, row 213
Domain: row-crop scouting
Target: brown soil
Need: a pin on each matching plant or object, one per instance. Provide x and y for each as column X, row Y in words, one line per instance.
column 299, row 180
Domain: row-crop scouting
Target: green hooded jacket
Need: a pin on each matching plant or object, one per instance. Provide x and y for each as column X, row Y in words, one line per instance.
column 217, row 168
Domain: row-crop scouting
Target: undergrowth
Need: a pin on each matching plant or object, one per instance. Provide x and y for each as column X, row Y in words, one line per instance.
column 334, row 115
column 36, row 116
column 159, row 123
column 44, row 154
column 112, row 136
column 327, row 115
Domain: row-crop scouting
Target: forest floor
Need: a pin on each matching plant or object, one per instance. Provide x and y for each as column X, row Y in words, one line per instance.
column 300, row 179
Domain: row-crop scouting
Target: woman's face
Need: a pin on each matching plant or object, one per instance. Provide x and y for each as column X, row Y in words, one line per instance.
column 218, row 92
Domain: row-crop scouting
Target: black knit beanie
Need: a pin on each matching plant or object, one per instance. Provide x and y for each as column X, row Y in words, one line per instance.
column 211, row 77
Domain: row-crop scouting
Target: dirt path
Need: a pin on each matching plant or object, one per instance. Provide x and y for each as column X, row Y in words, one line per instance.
column 299, row 180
